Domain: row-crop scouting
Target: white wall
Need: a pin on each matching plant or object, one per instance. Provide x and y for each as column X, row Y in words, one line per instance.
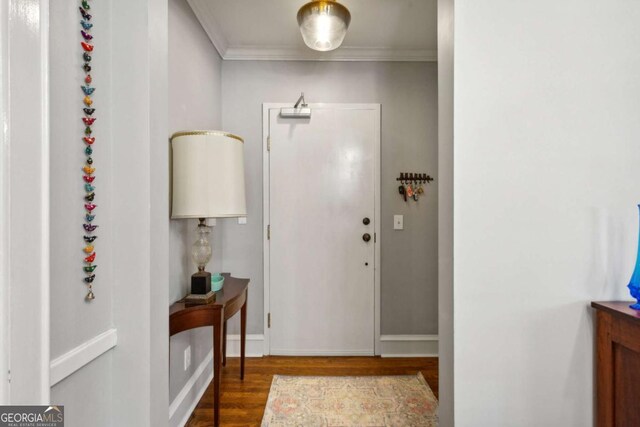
column 194, row 103
column 140, row 230
column 87, row 395
column 547, row 100
column 408, row 94
column 127, row 385
column 73, row 320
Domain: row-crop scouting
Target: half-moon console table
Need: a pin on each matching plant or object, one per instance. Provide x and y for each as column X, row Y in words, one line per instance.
column 617, row 364
column 231, row 298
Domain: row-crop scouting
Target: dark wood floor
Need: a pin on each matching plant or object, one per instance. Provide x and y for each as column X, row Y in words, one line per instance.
column 242, row 402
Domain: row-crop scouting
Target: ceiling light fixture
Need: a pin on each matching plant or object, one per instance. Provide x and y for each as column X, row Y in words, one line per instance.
column 323, row 24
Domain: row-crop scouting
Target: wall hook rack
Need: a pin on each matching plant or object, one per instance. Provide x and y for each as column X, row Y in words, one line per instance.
column 415, row 178
column 411, row 184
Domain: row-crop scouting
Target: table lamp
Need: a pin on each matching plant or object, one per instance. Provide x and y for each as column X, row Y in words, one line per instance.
column 208, row 182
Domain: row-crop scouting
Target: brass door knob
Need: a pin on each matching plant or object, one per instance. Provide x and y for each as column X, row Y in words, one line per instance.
column 366, row 237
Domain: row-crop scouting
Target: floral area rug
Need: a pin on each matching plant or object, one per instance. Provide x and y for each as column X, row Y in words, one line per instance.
column 403, row 400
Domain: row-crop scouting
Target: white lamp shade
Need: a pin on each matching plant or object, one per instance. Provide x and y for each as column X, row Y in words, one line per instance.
column 208, row 175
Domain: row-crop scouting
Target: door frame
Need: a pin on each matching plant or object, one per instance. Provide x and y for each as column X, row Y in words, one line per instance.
column 24, row 147
column 266, row 171
column 5, row 318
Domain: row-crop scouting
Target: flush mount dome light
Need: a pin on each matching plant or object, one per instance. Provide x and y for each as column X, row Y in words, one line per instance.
column 323, row 24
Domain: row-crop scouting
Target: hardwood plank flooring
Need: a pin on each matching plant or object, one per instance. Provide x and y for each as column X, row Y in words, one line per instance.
column 242, row 402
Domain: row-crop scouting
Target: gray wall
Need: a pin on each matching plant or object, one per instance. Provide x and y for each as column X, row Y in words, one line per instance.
column 194, row 103
column 73, row 321
column 408, row 94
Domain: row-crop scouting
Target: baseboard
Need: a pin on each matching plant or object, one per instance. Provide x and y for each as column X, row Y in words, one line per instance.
column 289, row 352
column 254, row 345
column 185, row 402
column 409, row 345
column 65, row 365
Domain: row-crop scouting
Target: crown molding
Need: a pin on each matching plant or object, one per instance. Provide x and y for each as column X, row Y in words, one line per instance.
column 290, row 53
column 210, row 27
column 267, row 53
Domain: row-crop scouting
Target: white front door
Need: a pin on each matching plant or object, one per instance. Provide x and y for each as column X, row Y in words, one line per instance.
column 322, row 186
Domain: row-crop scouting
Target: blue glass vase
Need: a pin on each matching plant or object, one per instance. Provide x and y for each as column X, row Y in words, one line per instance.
column 634, row 283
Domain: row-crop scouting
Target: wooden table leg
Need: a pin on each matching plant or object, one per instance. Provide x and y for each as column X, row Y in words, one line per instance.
column 217, row 364
column 604, row 376
column 243, row 336
column 224, row 344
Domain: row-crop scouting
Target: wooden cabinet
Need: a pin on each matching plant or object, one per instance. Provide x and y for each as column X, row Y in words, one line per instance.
column 617, row 364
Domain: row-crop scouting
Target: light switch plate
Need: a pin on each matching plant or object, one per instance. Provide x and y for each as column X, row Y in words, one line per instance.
column 242, row 220
column 398, row 222
column 187, row 357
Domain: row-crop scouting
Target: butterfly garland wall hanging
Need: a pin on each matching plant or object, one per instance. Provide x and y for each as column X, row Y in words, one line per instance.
column 88, row 170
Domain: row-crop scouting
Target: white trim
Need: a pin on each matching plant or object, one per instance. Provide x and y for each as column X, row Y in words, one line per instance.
column 26, row 140
column 289, row 352
column 348, row 54
column 72, row 361
column 446, row 154
column 5, row 229
column 205, row 367
column 409, row 345
column 266, row 220
column 378, row 236
column 45, row 273
column 254, row 345
column 210, row 27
